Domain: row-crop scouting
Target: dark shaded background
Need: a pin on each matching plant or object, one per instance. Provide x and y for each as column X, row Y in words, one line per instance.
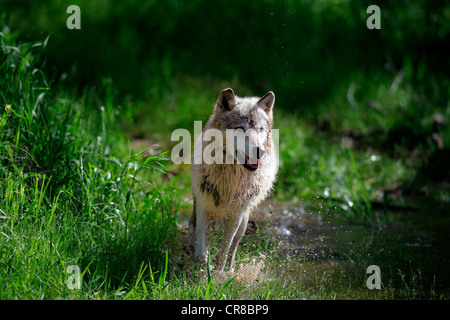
column 308, row 52
column 300, row 49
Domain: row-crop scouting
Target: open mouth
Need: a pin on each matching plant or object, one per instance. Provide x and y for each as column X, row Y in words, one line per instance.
column 249, row 166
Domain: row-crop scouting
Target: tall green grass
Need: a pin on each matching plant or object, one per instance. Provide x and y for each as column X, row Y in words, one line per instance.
column 71, row 190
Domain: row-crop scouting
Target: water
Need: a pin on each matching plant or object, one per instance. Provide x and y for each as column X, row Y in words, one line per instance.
column 318, row 253
column 298, row 231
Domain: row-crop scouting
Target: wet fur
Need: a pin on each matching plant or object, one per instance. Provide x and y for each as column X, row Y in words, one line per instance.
column 230, row 191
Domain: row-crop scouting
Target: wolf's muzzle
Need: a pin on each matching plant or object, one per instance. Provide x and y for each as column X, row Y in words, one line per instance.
column 252, row 159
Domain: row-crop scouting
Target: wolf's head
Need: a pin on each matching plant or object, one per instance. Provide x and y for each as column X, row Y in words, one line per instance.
column 246, row 125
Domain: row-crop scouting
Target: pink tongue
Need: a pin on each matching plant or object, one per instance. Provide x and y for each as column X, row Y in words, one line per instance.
column 254, row 166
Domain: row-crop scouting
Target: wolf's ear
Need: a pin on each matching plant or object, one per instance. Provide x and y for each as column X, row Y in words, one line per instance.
column 267, row 101
column 226, row 100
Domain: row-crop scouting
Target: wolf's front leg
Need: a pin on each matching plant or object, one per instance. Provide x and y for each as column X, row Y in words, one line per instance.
column 230, row 229
column 237, row 238
column 201, row 227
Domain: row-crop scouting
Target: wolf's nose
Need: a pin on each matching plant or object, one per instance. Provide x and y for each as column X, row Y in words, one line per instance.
column 260, row 152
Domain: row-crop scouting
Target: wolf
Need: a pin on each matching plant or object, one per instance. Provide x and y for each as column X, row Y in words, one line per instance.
column 230, row 191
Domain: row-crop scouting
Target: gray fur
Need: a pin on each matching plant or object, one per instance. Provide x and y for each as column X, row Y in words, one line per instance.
column 231, row 191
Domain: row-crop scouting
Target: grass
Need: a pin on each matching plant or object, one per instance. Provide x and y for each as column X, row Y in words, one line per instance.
column 66, row 198
column 75, row 190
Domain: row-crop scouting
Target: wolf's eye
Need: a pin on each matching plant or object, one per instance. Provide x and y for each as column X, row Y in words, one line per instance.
column 261, row 129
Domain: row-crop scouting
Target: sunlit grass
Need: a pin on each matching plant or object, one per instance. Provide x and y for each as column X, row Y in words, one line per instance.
column 71, row 192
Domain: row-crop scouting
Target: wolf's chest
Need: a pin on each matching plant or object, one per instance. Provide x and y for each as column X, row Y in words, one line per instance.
column 229, row 188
